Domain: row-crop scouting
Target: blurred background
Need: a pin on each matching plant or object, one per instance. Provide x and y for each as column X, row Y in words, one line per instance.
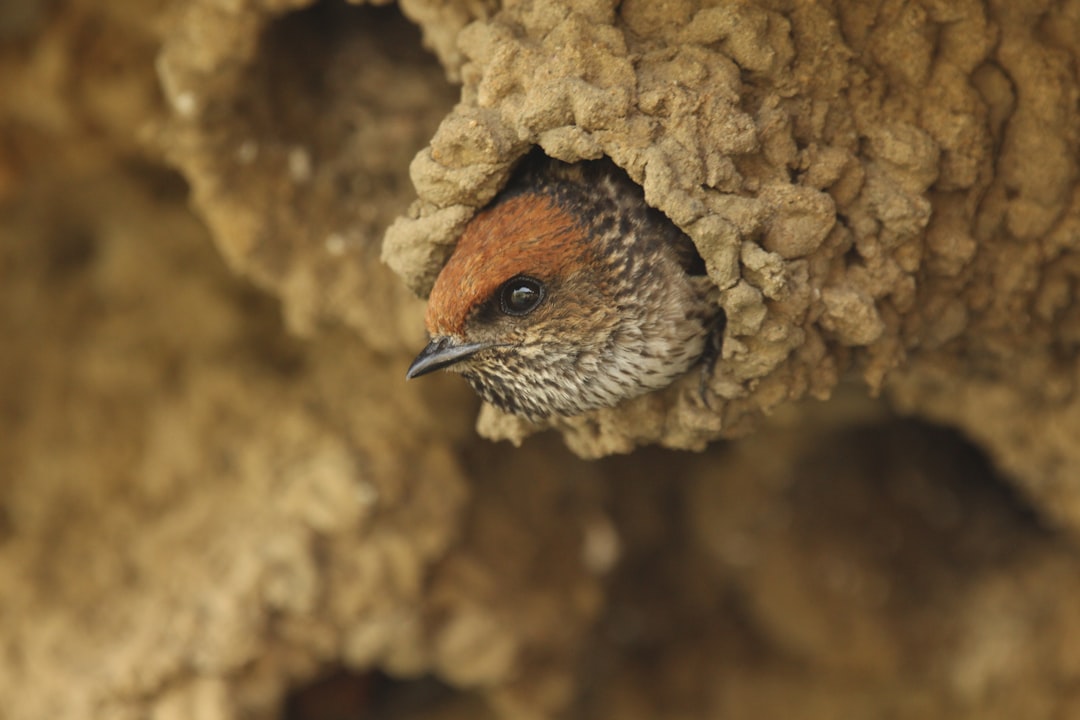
column 220, row 500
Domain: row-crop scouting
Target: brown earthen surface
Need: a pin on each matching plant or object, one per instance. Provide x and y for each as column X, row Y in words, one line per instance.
column 216, row 488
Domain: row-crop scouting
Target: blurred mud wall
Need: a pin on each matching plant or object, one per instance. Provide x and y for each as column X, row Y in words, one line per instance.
column 218, row 498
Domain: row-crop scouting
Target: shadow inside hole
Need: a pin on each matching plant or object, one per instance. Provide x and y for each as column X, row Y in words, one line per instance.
column 335, row 69
column 344, row 695
column 933, row 474
column 71, row 248
column 326, row 121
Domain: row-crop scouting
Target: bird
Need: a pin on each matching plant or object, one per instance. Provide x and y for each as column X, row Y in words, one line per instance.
column 569, row 293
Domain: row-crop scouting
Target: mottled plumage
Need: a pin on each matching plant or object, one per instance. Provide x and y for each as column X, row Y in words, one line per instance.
column 569, row 293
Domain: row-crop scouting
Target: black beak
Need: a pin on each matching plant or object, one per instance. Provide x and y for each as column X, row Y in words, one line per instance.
column 441, row 352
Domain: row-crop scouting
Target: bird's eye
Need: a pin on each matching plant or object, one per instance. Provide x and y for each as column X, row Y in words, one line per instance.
column 520, row 295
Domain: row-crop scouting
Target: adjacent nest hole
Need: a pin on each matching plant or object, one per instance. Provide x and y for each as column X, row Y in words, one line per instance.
column 299, row 153
column 888, row 527
column 349, row 95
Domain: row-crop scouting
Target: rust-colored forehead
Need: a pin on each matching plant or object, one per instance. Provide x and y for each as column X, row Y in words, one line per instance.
column 525, row 235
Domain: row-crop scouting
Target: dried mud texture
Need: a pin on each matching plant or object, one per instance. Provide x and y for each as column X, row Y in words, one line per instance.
column 219, row 499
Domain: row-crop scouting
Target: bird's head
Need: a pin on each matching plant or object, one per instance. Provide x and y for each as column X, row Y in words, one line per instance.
column 518, row 306
column 567, row 294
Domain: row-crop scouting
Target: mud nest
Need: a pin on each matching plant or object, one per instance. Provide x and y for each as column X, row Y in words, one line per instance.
column 219, row 499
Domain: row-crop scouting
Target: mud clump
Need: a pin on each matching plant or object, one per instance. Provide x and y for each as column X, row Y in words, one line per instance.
column 219, row 499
